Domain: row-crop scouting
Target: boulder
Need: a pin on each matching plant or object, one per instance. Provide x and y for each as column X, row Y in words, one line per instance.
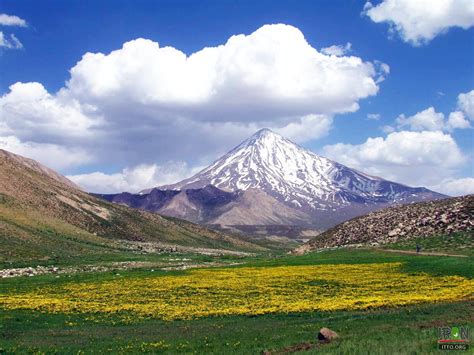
column 327, row 335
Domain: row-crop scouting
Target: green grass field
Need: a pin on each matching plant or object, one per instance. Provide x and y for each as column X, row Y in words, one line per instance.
column 408, row 329
column 405, row 330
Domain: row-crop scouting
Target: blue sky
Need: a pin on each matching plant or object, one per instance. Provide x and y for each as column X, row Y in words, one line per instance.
column 431, row 70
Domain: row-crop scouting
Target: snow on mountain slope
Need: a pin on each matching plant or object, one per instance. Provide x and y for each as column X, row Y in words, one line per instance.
column 299, row 178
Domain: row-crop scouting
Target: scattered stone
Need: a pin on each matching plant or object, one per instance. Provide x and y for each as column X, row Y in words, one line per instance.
column 161, row 248
column 327, row 335
column 172, row 264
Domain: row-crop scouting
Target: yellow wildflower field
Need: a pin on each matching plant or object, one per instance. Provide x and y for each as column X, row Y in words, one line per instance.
column 246, row 291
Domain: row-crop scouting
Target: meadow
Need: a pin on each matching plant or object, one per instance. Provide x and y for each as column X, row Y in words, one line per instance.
column 385, row 302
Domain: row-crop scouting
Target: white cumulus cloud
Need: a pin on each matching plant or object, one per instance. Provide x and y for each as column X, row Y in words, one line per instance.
column 272, row 71
column 29, row 111
column 430, row 120
column 466, row 103
column 307, row 128
column 419, row 21
column 145, row 103
column 414, row 158
column 457, row 120
column 11, row 20
column 456, row 187
column 54, row 156
column 427, row 119
column 134, row 179
column 338, row 50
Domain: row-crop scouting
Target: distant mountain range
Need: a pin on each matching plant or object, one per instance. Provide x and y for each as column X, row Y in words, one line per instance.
column 269, row 180
column 45, row 216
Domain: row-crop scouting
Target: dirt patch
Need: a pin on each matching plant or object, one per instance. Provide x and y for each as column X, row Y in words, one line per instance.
column 411, row 252
column 95, row 209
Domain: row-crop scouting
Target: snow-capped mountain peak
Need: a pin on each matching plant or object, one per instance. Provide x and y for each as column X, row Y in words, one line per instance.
column 296, row 176
column 266, row 160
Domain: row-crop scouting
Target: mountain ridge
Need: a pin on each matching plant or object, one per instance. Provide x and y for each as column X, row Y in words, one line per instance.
column 43, row 215
column 37, row 167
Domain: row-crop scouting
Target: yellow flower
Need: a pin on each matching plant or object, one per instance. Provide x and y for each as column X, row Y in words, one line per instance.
column 246, row 291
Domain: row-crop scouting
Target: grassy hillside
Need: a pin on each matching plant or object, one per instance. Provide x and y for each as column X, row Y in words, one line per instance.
column 44, row 216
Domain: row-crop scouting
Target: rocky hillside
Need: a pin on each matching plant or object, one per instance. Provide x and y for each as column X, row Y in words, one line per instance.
column 43, row 214
column 399, row 223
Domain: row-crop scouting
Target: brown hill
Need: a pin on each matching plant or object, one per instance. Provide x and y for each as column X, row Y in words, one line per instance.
column 254, row 207
column 400, row 223
column 44, row 214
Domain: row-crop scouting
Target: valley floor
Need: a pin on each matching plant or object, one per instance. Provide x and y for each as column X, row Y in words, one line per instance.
column 377, row 301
